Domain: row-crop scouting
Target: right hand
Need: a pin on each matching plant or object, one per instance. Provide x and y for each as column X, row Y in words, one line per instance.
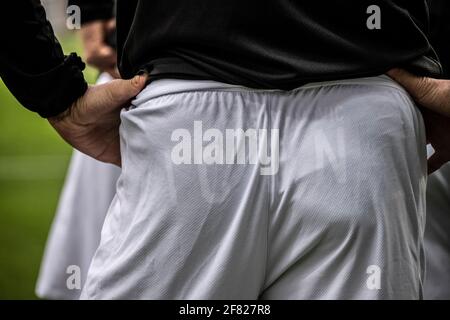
column 91, row 124
column 97, row 52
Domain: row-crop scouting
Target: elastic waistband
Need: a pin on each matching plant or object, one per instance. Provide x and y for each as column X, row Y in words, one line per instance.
column 164, row 87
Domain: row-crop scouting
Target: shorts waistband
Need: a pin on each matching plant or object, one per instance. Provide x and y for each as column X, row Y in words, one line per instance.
column 164, row 87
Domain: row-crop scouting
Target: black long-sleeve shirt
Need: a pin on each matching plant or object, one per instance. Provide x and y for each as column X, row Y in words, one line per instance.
column 257, row 43
column 32, row 63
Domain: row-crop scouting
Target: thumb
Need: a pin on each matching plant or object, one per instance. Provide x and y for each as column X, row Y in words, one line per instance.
column 121, row 91
column 403, row 77
column 422, row 89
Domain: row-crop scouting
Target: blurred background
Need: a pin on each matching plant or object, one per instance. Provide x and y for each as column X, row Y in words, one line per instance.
column 33, row 163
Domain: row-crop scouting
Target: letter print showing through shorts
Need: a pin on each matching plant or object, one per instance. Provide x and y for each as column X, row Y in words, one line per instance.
column 229, row 146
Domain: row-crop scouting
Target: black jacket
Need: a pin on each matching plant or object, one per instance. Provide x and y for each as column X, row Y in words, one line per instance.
column 256, row 43
column 32, row 63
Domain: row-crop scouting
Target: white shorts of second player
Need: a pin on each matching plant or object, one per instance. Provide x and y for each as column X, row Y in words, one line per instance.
column 232, row 193
column 88, row 190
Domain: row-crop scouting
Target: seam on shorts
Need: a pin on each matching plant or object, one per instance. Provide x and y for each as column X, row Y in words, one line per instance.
column 269, row 188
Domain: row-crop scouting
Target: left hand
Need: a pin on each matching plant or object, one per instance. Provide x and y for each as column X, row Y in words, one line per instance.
column 433, row 95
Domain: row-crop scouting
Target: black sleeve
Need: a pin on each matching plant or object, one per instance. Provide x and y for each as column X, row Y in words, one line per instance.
column 32, row 63
column 94, row 9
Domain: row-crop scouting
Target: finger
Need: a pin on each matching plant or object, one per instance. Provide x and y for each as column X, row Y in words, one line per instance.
column 105, row 100
column 92, row 35
column 110, row 25
column 403, row 77
column 101, row 63
column 422, row 89
column 435, row 162
column 414, row 84
column 104, row 57
column 106, row 51
column 121, row 91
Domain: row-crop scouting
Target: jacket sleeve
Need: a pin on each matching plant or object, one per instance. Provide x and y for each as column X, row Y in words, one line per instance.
column 32, row 63
column 94, row 9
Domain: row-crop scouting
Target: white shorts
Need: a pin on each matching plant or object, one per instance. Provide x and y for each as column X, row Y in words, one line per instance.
column 233, row 193
column 75, row 234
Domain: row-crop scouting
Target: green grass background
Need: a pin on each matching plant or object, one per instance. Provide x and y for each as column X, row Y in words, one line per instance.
column 33, row 162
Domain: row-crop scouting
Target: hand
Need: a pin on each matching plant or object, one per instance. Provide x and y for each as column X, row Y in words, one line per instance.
column 97, row 52
column 433, row 96
column 91, row 124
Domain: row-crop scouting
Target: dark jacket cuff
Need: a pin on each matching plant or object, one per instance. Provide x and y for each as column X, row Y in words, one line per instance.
column 67, row 81
column 52, row 92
